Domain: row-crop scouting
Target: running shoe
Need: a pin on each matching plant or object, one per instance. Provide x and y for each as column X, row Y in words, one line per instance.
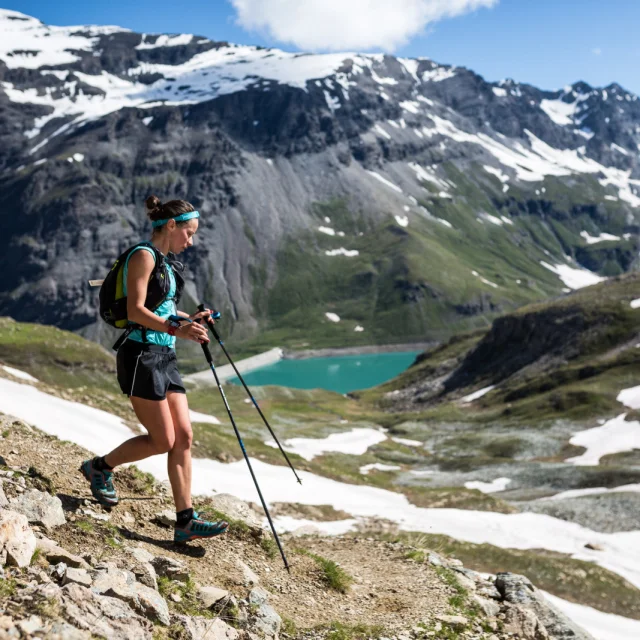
column 197, row 528
column 102, row 487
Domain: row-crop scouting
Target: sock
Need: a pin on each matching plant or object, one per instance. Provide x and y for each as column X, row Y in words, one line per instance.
column 100, row 464
column 184, row 517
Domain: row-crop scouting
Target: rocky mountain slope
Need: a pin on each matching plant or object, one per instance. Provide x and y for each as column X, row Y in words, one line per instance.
column 407, row 198
column 73, row 570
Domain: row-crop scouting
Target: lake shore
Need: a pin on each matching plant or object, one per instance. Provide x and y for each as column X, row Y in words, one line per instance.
column 355, row 351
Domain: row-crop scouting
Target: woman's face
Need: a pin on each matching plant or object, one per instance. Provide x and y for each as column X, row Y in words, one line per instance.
column 181, row 235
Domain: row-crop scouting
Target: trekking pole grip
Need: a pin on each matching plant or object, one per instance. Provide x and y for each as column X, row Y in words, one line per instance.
column 215, row 314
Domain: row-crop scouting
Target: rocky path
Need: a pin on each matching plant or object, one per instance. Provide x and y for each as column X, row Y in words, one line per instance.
column 73, row 570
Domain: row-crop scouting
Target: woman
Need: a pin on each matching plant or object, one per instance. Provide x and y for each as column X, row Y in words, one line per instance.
column 148, row 372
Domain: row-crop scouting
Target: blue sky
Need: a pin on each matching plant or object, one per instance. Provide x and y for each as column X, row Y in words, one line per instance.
column 548, row 43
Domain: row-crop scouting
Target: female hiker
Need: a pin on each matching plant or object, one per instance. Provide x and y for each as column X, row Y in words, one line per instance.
column 147, row 366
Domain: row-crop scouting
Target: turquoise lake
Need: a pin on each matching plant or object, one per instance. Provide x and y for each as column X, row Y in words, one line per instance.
column 341, row 374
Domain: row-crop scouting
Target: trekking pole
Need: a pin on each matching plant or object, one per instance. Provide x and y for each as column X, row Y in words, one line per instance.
column 202, row 307
column 207, row 355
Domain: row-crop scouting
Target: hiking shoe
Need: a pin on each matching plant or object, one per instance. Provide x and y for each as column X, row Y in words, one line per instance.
column 197, row 528
column 102, row 487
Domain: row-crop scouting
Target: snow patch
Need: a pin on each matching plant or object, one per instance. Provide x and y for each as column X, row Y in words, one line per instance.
column 343, row 252
column 407, row 443
column 334, row 317
column 403, row 221
column 379, row 467
column 359, row 329
column 195, row 416
column 499, row 91
column 328, row 230
column 634, row 304
column 601, row 238
column 572, row 277
column 17, row 373
column 495, row 486
column 491, row 284
column 477, row 394
column 560, row 112
column 389, row 184
column 354, row 442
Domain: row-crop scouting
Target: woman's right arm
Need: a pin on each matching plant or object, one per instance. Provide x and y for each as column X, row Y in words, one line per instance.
column 141, row 265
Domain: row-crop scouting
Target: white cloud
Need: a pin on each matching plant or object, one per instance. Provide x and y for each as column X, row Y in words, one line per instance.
column 351, row 24
column 597, row 51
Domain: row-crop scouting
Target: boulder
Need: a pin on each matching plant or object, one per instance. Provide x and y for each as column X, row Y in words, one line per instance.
column 64, row 631
column 142, row 567
column 490, row 607
column 170, row 568
column 166, row 518
column 248, row 576
column 102, row 615
column 266, row 621
column 523, row 623
column 518, row 590
column 236, row 509
column 17, row 541
column 79, row 576
column 197, row 628
column 3, row 499
column 211, row 595
column 54, row 554
column 40, row 508
column 121, row 584
column 457, row 623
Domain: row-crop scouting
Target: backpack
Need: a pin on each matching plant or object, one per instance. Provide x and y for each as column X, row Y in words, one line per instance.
column 113, row 302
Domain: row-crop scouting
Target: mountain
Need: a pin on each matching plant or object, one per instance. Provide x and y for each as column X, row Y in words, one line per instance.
column 346, row 198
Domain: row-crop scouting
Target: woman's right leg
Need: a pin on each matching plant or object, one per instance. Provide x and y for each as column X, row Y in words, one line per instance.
column 155, row 417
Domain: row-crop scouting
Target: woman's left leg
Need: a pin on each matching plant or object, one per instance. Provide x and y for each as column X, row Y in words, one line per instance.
column 179, row 459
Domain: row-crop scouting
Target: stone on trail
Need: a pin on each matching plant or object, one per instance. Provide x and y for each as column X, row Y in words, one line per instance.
column 103, row 616
column 236, row 509
column 54, row 554
column 458, row 623
column 64, row 631
column 267, row 620
column 121, row 584
column 170, row 568
column 17, row 541
column 40, row 508
column 166, row 518
column 197, row 628
column 79, row 576
column 248, row 575
column 211, row 595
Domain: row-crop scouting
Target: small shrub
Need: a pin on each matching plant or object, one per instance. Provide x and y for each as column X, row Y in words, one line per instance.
column 417, row 555
column 333, row 574
column 269, row 546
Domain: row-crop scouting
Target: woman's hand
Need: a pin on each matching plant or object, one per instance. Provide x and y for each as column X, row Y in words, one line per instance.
column 193, row 331
column 202, row 315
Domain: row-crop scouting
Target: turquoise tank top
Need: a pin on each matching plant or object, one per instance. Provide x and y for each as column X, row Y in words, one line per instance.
column 166, row 309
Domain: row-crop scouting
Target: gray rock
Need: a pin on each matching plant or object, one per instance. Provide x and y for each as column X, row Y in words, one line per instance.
column 266, row 621
column 64, row 631
column 518, row 590
column 3, row 498
column 79, row 576
column 103, row 615
column 17, row 541
column 54, row 554
column 258, row 596
column 142, row 568
column 458, row 623
column 40, row 508
column 197, row 628
column 248, row 576
column 211, row 595
column 523, row 623
column 166, row 518
column 170, row 568
column 435, row 560
column 30, row 625
column 58, row 571
column 121, row 584
column 236, row 509
column 490, row 607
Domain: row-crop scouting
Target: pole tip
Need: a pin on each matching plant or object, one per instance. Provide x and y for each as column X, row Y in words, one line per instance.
column 299, row 481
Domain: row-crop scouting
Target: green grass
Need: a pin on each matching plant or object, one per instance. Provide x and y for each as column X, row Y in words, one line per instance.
column 340, row 631
column 269, row 546
column 574, row 580
column 334, row 576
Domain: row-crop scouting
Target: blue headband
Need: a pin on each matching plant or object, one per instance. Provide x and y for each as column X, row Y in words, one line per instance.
column 181, row 218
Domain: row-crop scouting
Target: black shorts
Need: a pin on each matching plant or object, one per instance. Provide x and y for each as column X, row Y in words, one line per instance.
column 148, row 370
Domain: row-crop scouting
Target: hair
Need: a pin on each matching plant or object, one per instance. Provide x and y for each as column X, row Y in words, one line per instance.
column 158, row 211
